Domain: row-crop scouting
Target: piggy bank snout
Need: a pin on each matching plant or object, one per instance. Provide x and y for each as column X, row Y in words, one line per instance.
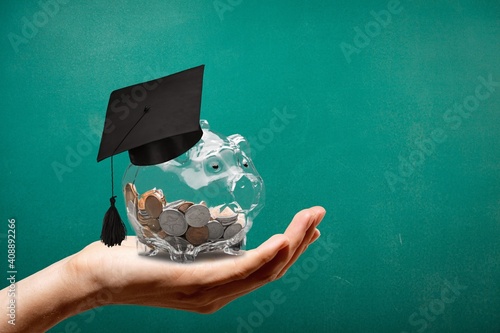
column 247, row 189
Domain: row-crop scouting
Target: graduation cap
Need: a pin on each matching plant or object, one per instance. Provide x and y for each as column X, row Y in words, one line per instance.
column 154, row 121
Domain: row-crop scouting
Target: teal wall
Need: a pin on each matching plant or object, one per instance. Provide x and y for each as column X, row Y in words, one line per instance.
column 378, row 135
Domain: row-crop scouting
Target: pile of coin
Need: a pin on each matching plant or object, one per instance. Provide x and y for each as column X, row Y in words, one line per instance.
column 182, row 222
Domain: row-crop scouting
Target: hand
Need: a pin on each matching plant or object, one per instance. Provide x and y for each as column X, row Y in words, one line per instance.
column 204, row 286
column 98, row 275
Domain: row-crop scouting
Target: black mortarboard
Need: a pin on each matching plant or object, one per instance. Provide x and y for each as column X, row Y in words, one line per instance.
column 154, row 121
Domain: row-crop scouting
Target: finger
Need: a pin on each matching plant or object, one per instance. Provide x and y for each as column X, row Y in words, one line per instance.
column 194, row 293
column 206, row 294
column 253, row 282
column 312, row 218
column 296, row 231
column 231, row 290
column 298, row 252
column 311, row 235
column 240, row 268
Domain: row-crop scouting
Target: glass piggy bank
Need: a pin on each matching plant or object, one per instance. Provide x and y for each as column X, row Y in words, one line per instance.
column 204, row 200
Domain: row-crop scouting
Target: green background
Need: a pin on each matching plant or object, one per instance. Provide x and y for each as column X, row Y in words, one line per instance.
column 356, row 117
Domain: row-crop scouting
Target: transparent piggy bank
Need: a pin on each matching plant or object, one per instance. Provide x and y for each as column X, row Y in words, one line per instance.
column 204, row 200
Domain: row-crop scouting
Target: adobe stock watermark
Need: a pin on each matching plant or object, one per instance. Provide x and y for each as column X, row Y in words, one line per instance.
column 92, row 136
column 429, row 312
column 425, row 147
column 291, row 281
column 30, row 27
column 370, row 30
column 266, row 135
column 223, row 6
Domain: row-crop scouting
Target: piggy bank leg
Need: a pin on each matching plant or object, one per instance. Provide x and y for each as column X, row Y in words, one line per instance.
column 177, row 256
column 191, row 253
column 146, row 250
column 236, row 249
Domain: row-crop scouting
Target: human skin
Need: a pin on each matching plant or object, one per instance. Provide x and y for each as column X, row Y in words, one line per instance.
column 77, row 282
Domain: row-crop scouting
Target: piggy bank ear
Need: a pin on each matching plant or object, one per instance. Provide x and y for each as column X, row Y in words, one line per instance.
column 204, row 124
column 241, row 143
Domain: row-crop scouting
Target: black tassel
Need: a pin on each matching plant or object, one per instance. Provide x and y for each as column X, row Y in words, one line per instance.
column 113, row 228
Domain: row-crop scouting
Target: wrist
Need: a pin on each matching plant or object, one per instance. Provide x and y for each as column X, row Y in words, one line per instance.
column 50, row 296
column 82, row 285
column 97, row 285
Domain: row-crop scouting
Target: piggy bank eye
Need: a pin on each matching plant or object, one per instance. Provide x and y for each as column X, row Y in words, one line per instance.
column 215, row 166
column 244, row 163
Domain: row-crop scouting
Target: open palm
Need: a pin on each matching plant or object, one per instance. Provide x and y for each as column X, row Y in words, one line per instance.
column 204, row 286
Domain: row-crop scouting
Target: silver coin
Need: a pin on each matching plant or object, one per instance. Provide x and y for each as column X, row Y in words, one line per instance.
column 173, row 222
column 227, row 220
column 215, row 230
column 232, row 230
column 197, row 215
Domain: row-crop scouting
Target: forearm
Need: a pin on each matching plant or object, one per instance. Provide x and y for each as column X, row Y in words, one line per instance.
column 48, row 297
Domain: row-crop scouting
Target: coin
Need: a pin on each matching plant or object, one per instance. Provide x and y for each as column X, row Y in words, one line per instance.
column 181, row 223
column 143, row 217
column 215, row 211
column 173, row 222
column 227, row 217
column 131, row 193
column 242, row 220
column 154, row 225
column 197, row 215
column 148, row 193
column 215, row 230
column 197, row 235
column 153, row 205
column 140, row 203
column 184, row 206
column 162, row 234
column 234, row 228
column 161, row 196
